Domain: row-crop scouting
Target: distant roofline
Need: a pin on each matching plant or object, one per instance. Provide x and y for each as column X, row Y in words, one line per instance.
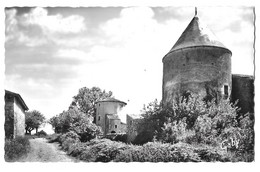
column 134, row 116
column 196, row 46
column 113, row 116
column 20, row 99
column 111, row 100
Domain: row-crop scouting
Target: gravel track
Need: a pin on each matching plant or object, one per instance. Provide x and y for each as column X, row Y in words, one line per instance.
column 42, row 151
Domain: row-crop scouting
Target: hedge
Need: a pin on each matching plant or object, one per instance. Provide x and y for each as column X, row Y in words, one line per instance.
column 105, row 150
column 16, row 148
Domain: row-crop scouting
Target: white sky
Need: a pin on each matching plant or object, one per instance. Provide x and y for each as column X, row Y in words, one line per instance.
column 52, row 52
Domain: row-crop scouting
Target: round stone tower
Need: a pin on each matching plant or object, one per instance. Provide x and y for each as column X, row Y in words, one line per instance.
column 107, row 115
column 197, row 63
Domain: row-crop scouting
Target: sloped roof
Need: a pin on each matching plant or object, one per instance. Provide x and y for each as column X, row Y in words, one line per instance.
column 112, row 116
column 135, row 116
column 111, row 99
column 243, row 76
column 19, row 98
column 197, row 34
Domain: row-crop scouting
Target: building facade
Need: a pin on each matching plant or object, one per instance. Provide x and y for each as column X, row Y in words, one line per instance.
column 132, row 123
column 15, row 108
column 107, row 116
column 243, row 91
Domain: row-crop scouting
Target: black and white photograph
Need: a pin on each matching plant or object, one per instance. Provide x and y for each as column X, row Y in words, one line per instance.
column 129, row 84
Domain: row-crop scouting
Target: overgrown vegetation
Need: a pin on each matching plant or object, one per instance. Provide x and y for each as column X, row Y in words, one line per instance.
column 75, row 121
column 195, row 121
column 87, row 98
column 16, row 148
column 193, row 129
column 105, row 150
column 41, row 133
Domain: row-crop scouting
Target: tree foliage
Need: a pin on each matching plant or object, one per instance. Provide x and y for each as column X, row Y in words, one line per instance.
column 196, row 121
column 33, row 120
column 153, row 119
column 87, row 98
column 76, row 121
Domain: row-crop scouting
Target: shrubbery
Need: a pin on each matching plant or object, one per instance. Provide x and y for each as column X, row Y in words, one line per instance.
column 96, row 150
column 105, row 150
column 119, row 137
column 41, row 134
column 192, row 130
column 195, row 121
column 86, row 130
column 76, row 121
column 157, row 152
column 16, row 148
column 53, row 138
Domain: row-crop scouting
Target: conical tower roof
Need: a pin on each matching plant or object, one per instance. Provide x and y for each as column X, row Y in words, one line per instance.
column 111, row 99
column 196, row 34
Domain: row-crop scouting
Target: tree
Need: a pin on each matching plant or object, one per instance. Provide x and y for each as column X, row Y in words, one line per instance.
column 33, row 120
column 152, row 121
column 76, row 121
column 62, row 123
column 87, row 98
column 56, row 124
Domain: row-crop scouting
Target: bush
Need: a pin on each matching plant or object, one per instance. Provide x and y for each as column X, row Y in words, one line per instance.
column 69, row 135
column 210, row 154
column 76, row 149
column 103, row 150
column 180, row 152
column 118, row 138
column 157, row 152
column 42, row 133
column 69, row 139
column 75, row 120
column 16, row 148
column 195, row 121
column 86, row 130
column 54, row 138
column 143, row 137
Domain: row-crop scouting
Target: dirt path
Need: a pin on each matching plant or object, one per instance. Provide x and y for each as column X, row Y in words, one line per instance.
column 42, row 151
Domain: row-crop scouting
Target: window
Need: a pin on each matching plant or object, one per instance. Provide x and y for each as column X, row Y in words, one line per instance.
column 225, row 91
column 115, row 126
column 99, row 104
column 99, row 118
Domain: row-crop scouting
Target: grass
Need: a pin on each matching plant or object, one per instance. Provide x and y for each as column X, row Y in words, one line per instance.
column 16, row 148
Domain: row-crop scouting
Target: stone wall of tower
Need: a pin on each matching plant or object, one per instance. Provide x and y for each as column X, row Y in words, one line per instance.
column 203, row 70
